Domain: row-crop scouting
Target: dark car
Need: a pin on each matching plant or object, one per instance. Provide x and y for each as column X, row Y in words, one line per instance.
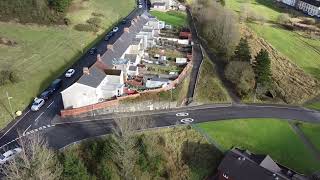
column 56, row 84
column 93, row 51
column 46, row 94
column 108, row 36
column 124, row 21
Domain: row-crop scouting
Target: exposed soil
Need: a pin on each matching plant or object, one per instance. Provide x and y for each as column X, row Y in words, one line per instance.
column 292, row 84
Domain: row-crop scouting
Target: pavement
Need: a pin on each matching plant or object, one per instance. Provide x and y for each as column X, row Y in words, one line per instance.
column 62, row 132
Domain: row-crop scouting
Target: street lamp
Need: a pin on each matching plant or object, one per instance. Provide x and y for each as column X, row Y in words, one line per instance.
column 8, row 97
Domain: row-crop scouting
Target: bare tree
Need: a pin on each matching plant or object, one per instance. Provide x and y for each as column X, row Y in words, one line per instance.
column 35, row 161
column 125, row 150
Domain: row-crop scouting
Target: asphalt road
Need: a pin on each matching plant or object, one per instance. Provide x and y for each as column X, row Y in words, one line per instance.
column 66, row 133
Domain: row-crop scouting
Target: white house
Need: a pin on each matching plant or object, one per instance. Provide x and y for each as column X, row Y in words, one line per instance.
column 159, row 6
column 311, row 7
column 94, row 86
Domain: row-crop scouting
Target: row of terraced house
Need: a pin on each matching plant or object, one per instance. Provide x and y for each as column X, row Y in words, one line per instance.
column 310, row 7
column 106, row 78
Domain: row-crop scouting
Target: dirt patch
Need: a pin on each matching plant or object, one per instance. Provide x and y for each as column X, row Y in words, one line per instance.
column 292, row 84
column 7, row 42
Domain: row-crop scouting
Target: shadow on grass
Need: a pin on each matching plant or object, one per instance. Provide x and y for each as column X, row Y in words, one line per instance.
column 202, row 159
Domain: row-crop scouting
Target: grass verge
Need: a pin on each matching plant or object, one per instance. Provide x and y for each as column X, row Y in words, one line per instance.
column 315, row 105
column 209, row 88
column 264, row 136
column 312, row 131
column 174, row 18
column 43, row 53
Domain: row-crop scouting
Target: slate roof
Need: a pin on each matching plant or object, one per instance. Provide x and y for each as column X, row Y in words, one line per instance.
column 125, row 40
column 159, row 4
column 93, row 79
column 131, row 57
column 238, row 165
column 133, row 68
column 312, row 2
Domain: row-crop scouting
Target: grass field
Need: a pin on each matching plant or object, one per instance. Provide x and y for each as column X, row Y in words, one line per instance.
column 312, row 131
column 174, row 18
column 43, row 52
column 266, row 136
column 302, row 51
column 315, row 105
column 209, row 88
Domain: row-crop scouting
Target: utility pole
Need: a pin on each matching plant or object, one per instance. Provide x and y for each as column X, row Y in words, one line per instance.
column 8, row 97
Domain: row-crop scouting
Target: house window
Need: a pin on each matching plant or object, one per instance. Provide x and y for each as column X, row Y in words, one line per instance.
column 225, row 175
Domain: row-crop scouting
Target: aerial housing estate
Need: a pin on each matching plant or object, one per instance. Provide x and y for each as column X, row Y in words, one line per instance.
column 121, row 65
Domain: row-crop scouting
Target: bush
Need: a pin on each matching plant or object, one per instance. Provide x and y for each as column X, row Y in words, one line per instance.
column 308, row 21
column 86, row 27
column 283, row 19
column 241, row 75
column 67, row 21
column 97, row 14
column 94, row 21
column 7, row 76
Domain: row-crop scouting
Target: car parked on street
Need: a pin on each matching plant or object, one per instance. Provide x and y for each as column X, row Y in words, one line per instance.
column 56, row 84
column 70, row 73
column 115, row 29
column 108, row 36
column 37, row 104
column 46, row 94
column 93, row 51
column 9, row 155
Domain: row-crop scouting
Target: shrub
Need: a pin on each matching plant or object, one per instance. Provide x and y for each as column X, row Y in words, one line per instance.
column 67, row 21
column 97, row 14
column 308, row 21
column 263, row 68
column 241, row 75
column 86, row 27
column 94, row 21
column 283, row 19
column 7, row 76
column 242, row 52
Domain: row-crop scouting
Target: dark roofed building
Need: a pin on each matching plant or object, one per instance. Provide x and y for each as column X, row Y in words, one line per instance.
column 131, row 57
column 93, row 77
column 243, row 165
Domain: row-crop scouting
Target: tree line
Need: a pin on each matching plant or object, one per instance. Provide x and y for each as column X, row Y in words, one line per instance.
column 34, row 11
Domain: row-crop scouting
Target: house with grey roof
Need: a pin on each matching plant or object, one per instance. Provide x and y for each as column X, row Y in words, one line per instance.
column 242, row 164
column 95, row 85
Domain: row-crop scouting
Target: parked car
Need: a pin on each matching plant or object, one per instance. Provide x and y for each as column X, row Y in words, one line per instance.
column 140, row 6
column 108, row 36
column 93, row 51
column 124, row 21
column 70, row 73
column 37, row 104
column 9, row 155
column 56, row 84
column 46, row 94
column 115, row 29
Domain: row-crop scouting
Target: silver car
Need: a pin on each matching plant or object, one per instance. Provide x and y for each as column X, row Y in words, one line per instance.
column 37, row 104
column 9, row 155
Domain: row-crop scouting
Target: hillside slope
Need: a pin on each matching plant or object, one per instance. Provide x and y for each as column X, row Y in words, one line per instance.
column 292, row 84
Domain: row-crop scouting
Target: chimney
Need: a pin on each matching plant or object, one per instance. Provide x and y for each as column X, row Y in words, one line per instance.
column 86, row 71
column 126, row 30
column 99, row 57
column 110, row 47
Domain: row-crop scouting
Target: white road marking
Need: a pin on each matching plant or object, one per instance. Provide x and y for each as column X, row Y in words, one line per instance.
column 36, row 120
column 50, row 104
column 182, row 114
column 187, row 120
column 24, row 132
column 15, row 124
